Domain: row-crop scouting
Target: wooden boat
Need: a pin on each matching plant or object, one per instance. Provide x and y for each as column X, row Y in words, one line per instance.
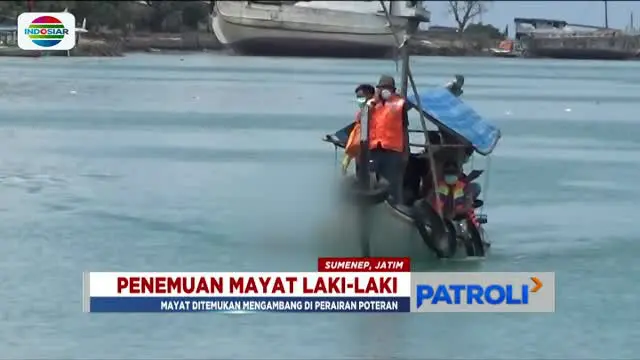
column 414, row 227
column 410, row 226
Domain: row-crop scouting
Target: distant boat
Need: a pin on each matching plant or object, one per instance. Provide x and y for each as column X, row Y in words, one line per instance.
column 558, row 39
column 507, row 49
column 286, row 29
column 417, row 230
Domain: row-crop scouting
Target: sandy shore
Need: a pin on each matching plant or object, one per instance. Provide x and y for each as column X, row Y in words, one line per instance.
column 113, row 45
column 98, row 45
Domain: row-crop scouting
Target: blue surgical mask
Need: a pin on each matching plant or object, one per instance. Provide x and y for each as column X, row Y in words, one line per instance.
column 361, row 101
column 450, row 179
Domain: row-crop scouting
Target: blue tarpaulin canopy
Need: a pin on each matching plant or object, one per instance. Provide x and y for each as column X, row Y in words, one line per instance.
column 447, row 111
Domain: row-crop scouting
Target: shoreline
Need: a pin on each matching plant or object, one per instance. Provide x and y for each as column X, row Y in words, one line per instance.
column 115, row 45
column 107, row 51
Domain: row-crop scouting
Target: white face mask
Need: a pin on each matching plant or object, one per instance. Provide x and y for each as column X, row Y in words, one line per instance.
column 450, row 179
column 385, row 94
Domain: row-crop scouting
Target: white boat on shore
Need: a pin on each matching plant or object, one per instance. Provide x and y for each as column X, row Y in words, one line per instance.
column 309, row 28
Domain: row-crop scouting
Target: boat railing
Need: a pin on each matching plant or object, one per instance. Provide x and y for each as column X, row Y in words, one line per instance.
column 576, row 35
column 438, row 146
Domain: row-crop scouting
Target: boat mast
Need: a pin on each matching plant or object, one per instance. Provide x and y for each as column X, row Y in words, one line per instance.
column 412, row 26
column 414, row 13
column 606, row 15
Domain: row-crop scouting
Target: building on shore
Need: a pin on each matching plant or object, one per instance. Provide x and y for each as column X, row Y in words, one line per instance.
column 8, row 32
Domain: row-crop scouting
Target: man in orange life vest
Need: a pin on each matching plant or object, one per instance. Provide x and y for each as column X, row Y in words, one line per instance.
column 388, row 140
column 364, row 92
column 453, row 196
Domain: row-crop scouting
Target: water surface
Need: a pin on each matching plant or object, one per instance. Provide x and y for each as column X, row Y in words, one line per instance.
column 214, row 163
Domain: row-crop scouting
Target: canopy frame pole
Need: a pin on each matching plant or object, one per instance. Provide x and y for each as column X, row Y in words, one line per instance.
column 407, row 78
column 363, row 176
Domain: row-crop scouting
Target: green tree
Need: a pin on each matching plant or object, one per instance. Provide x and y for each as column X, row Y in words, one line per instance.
column 194, row 13
column 488, row 31
column 156, row 16
column 160, row 10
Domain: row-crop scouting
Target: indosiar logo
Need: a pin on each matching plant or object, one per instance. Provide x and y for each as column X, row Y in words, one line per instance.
column 484, row 292
column 46, row 31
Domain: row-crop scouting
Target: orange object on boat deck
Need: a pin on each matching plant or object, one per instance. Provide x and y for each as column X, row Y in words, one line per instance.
column 506, row 45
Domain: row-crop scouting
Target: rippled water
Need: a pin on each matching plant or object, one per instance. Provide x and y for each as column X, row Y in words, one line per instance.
column 214, row 163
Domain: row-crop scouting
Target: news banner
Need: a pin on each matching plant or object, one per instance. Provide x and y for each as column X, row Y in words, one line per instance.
column 358, row 285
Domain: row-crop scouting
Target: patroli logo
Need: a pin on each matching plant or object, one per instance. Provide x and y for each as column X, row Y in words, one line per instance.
column 46, row 31
column 483, row 292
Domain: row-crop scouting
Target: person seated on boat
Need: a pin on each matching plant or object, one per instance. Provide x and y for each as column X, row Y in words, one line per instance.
column 461, row 155
column 452, row 196
column 364, row 92
column 388, row 139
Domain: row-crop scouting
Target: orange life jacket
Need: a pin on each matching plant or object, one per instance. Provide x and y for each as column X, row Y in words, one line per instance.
column 459, row 200
column 386, row 128
column 352, row 148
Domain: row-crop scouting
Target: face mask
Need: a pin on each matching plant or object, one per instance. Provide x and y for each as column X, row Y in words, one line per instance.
column 450, row 179
column 361, row 101
column 385, row 94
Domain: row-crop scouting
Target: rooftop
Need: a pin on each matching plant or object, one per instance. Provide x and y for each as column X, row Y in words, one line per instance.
column 538, row 21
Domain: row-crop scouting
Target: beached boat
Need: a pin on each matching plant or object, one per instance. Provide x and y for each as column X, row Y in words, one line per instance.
column 305, row 29
column 412, row 227
column 544, row 38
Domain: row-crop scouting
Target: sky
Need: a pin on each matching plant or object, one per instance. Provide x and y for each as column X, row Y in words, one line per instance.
column 501, row 13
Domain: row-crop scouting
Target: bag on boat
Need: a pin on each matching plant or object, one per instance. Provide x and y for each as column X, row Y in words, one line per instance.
column 352, row 148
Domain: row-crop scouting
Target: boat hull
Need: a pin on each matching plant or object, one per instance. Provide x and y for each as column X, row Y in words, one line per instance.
column 393, row 233
column 292, row 47
column 505, row 54
column 270, row 31
column 580, row 54
column 583, row 48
